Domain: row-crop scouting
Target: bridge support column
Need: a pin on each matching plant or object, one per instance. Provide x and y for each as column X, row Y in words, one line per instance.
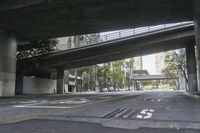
column 8, row 48
column 197, row 34
column 60, row 80
column 191, row 69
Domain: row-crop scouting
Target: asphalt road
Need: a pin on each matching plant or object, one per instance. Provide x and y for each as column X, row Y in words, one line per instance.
column 125, row 112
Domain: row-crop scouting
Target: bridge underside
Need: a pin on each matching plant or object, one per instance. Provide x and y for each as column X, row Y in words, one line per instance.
column 44, row 19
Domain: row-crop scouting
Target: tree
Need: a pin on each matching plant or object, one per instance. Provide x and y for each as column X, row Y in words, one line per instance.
column 83, row 40
column 91, row 38
column 36, row 48
column 141, row 72
column 130, row 69
column 102, row 73
column 176, row 65
column 117, row 74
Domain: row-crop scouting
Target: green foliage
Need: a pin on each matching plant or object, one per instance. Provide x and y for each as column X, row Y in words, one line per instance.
column 141, row 72
column 117, row 74
column 90, row 39
column 36, row 48
column 176, row 65
column 103, row 70
column 146, row 82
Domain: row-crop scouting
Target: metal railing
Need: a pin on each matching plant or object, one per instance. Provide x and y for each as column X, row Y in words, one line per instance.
column 104, row 37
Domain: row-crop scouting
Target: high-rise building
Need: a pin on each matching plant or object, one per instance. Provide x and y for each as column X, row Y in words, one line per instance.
column 138, row 63
column 160, row 62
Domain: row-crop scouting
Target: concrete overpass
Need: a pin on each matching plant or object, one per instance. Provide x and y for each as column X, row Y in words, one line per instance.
column 43, row 19
column 27, row 20
column 180, row 36
column 136, row 45
column 157, row 78
column 154, row 77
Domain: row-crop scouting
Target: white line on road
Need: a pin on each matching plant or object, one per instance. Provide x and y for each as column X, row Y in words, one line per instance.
column 43, row 107
column 120, row 113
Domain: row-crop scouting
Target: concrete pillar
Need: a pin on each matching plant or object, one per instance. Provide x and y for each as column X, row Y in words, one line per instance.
column 197, row 34
column 19, row 85
column 191, row 69
column 8, row 49
column 60, row 80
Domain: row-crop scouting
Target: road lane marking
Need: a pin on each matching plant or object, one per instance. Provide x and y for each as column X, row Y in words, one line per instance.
column 40, row 104
column 43, row 107
column 109, row 113
column 121, row 113
column 128, row 112
column 113, row 113
column 145, row 114
column 64, row 107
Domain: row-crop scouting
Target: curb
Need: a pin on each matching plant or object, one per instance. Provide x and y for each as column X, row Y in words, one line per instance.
column 193, row 95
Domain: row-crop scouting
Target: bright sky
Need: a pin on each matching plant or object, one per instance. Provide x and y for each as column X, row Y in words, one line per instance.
column 149, row 64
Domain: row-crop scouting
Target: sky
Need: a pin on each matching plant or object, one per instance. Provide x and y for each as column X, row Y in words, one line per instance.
column 149, row 64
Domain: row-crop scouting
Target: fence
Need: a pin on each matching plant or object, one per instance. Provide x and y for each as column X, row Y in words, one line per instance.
column 103, row 37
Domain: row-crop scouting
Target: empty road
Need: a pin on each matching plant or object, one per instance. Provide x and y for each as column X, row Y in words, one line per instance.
column 119, row 112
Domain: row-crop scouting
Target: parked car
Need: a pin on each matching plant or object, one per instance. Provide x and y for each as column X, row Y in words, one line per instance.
column 111, row 89
column 123, row 89
column 105, row 89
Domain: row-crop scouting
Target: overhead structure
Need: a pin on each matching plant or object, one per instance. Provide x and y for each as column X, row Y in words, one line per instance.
column 28, row 20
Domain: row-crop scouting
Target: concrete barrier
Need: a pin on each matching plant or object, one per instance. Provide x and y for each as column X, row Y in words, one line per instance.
column 33, row 85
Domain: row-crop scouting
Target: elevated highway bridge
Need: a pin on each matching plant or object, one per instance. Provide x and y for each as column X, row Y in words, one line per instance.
column 180, row 36
column 135, row 45
column 26, row 20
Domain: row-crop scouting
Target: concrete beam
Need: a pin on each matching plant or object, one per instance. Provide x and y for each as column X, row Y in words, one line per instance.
column 191, row 68
column 60, row 80
column 197, row 35
column 44, row 19
column 109, row 51
column 16, row 4
column 8, row 48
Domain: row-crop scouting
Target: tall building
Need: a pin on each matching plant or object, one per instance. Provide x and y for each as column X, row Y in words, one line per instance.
column 160, row 62
column 138, row 63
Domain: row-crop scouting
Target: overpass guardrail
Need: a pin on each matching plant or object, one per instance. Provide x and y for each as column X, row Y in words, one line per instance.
column 109, row 36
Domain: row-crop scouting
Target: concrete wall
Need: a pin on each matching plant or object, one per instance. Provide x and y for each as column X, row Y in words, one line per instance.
column 38, row 86
column 182, row 83
column 1, row 88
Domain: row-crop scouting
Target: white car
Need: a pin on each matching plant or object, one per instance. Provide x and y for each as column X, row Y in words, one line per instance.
column 105, row 89
column 111, row 89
